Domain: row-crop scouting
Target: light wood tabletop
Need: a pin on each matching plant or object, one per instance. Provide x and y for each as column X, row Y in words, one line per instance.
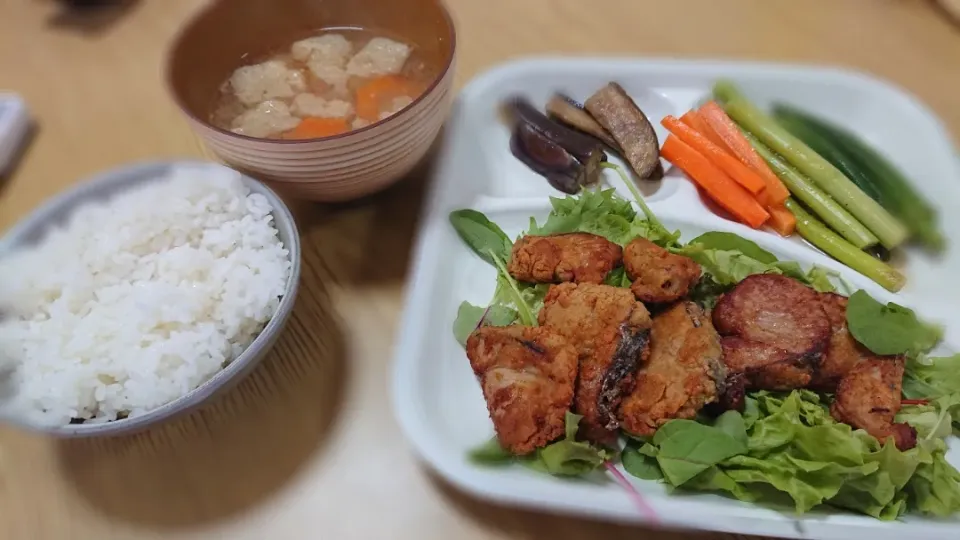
column 307, row 447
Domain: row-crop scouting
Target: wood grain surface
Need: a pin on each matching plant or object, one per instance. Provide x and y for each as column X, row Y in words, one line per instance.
column 307, row 447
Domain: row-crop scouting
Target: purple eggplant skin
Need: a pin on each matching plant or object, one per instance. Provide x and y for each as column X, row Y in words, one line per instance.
column 577, row 144
column 546, row 158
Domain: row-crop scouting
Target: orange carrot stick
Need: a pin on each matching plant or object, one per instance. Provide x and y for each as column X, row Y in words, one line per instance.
column 314, row 128
column 693, row 119
column 727, row 130
column 373, row 96
column 714, row 182
column 742, row 174
column 781, row 220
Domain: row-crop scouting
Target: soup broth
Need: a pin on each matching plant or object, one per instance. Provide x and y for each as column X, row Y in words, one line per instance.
column 332, row 82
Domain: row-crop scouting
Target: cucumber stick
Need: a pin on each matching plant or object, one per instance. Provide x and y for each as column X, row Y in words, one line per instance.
column 895, row 191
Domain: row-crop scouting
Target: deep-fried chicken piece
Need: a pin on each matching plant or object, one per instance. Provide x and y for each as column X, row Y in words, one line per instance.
column 843, row 352
column 578, row 257
column 682, row 374
column 658, row 275
column 610, row 331
column 774, row 330
column 528, row 377
column 868, row 398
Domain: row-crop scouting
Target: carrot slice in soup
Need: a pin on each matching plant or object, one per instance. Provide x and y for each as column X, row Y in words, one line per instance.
column 375, row 95
column 314, row 127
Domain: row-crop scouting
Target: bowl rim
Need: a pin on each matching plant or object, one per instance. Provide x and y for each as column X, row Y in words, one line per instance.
column 178, row 37
column 115, row 178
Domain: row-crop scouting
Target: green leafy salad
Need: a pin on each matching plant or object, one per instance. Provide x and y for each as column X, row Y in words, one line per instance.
column 784, row 450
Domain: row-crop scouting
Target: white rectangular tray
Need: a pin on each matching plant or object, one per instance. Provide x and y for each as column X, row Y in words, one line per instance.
column 437, row 399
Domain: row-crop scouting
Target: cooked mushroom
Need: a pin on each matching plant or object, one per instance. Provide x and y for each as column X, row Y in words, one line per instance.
column 619, row 115
column 564, row 109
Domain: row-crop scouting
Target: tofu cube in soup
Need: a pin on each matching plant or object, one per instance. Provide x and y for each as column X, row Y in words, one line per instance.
column 268, row 118
column 269, row 80
column 380, row 56
column 329, row 49
column 395, row 106
column 326, row 57
column 306, row 104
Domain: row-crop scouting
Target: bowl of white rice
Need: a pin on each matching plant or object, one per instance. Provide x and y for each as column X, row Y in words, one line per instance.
column 139, row 294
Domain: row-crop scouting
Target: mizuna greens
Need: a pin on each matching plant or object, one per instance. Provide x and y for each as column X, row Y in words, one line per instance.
column 784, row 450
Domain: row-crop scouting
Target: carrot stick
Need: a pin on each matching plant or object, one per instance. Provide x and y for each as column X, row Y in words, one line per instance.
column 693, row 119
column 714, row 182
column 742, row 174
column 314, row 128
column 727, row 130
column 781, row 220
column 373, row 96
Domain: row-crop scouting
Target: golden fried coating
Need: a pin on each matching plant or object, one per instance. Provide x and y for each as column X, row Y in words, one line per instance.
column 774, row 330
column 843, row 352
column 528, row 377
column 577, row 257
column 610, row 330
column 682, row 373
column 658, row 275
column 868, row 398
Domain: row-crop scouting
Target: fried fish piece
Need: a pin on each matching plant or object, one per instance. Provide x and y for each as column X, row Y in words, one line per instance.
column 682, row 375
column 842, row 352
column 527, row 376
column 578, row 257
column 774, row 330
column 610, row 330
column 868, row 398
column 658, row 275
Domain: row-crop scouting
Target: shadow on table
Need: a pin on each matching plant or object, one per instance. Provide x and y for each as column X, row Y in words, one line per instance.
column 237, row 451
column 90, row 17
column 368, row 241
column 531, row 525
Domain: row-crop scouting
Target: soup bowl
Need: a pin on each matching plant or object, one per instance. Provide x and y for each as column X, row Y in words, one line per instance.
column 226, row 34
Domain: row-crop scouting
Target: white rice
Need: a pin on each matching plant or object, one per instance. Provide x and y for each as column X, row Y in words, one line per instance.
column 139, row 300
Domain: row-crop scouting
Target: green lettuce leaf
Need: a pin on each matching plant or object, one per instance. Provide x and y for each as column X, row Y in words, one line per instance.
column 928, row 378
column 796, row 453
column 725, row 241
column 568, row 456
column 889, row 329
column 470, row 317
column 617, row 278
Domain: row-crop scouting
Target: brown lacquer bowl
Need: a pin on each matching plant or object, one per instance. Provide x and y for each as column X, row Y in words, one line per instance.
column 335, row 168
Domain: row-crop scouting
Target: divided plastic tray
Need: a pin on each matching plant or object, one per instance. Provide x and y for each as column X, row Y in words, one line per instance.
column 437, row 399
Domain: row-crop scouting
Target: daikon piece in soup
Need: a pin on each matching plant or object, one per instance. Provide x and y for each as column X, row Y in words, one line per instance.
column 338, row 80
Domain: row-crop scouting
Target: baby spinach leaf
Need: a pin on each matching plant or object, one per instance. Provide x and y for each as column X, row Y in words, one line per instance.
column 570, row 457
column 470, row 317
column 725, row 241
column 888, row 329
column 483, row 236
column 617, row 278
column 687, row 448
column 724, row 266
column 491, row 453
column 641, row 464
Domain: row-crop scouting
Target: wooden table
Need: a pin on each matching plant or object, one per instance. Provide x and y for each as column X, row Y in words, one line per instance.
column 307, row 447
